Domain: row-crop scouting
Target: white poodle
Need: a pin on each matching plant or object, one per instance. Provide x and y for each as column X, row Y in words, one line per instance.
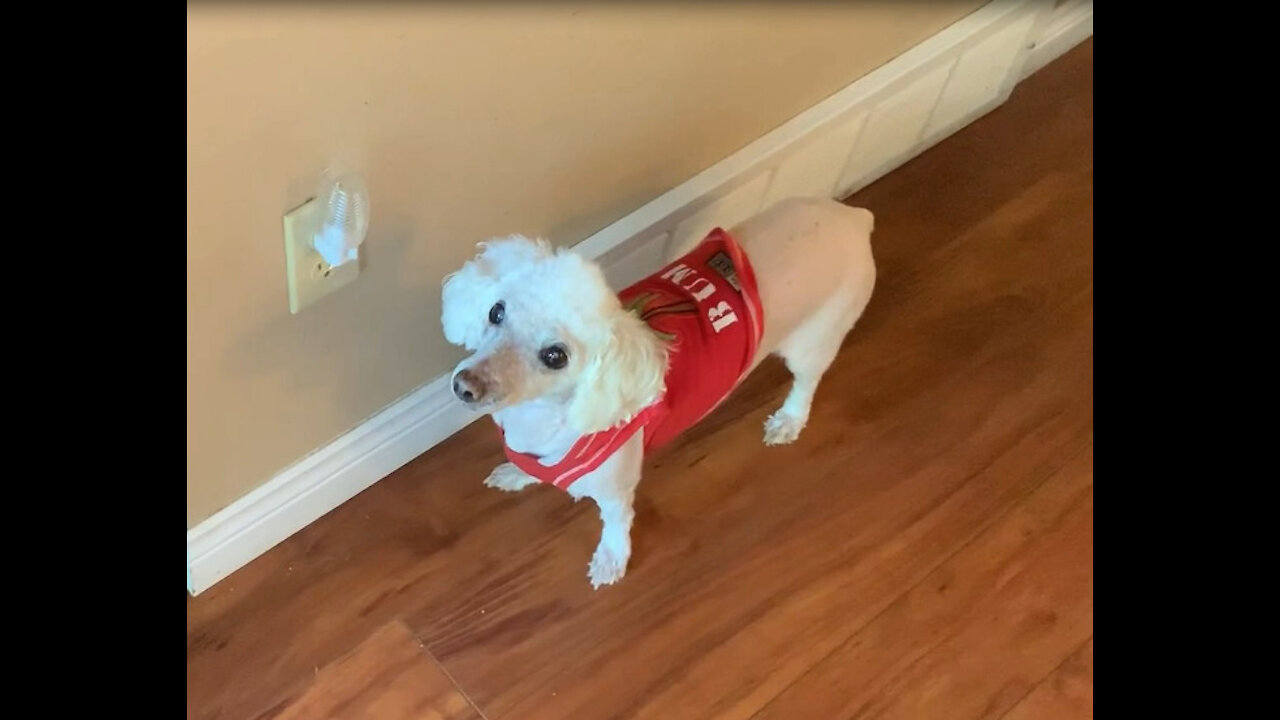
column 583, row 382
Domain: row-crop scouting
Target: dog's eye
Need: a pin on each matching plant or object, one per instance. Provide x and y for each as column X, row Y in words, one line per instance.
column 497, row 313
column 554, row 357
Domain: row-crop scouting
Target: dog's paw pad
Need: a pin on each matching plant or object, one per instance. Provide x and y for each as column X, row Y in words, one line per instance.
column 508, row 478
column 606, row 568
column 781, row 429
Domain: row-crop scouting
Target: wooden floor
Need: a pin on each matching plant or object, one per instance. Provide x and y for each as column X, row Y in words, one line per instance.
column 925, row 550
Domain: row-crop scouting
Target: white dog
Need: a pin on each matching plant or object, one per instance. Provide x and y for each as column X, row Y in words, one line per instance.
column 582, row 382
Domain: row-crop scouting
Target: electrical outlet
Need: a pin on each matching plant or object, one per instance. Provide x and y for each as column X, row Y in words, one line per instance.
column 310, row 277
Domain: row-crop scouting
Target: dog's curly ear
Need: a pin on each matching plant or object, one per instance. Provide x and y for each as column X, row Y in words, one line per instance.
column 468, row 294
column 623, row 375
column 466, row 298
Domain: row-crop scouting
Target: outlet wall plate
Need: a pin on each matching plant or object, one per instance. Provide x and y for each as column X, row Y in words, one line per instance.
column 309, row 276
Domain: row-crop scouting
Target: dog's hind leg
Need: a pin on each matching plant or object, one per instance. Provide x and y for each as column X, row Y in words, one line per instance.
column 808, row 352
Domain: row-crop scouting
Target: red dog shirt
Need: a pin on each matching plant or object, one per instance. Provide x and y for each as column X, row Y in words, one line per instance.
column 706, row 306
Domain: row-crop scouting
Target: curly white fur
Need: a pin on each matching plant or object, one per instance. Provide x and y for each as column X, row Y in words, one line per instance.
column 551, row 296
column 815, row 272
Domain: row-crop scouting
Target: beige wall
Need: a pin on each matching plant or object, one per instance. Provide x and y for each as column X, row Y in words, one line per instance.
column 466, row 122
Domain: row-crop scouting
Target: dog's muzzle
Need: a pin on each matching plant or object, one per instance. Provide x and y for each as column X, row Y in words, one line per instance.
column 468, row 387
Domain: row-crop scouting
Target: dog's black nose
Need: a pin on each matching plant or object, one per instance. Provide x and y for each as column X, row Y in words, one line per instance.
column 468, row 387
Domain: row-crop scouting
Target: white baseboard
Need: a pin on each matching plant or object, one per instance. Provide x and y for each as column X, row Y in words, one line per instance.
column 321, row 482
column 834, row 148
column 1068, row 25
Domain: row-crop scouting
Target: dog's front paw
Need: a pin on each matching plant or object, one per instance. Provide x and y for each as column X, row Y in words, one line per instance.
column 607, row 567
column 782, row 428
column 509, row 478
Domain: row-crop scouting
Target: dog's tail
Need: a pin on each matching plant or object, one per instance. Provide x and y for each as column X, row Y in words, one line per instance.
column 863, row 223
column 865, row 219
